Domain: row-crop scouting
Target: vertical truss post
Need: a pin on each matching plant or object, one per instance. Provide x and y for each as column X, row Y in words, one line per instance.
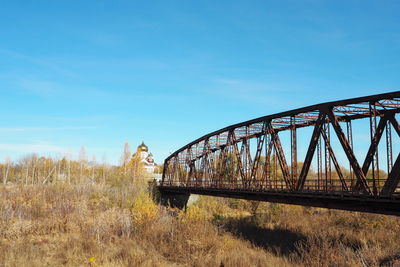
column 223, row 162
column 248, row 154
column 188, row 163
column 243, row 156
column 375, row 158
column 192, row 170
column 249, row 162
column 216, row 177
column 171, row 171
column 217, row 165
column 350, row 139
column 165, row 167
column 392, row 182
column 275, row 162
column 389, row 147
column 319, row 163
column 211, row 168
column 175, row 169
column 293, row 141
column 256, row 161
column 267, row 166
column 205, row 164
column 198, row 164
column 328, row 169
column 232, row 169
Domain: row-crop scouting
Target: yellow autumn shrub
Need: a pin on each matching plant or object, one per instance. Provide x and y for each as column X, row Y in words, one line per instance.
column 143, row 209
column 193, row 213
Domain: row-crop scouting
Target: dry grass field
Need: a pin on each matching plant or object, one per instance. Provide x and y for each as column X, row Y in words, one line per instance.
column 104, row 225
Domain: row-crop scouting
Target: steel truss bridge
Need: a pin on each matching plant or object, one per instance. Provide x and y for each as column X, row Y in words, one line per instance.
column 340, row 155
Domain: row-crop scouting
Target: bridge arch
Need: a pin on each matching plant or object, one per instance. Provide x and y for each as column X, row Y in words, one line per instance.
column 262, row 155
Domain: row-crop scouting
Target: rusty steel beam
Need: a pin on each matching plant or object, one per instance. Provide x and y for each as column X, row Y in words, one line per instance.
column 345, row 118
column 308, row 109
column 328, row 169
column 374, row 144
column 238, row 157
column 281, row 155
column 348, row 151
column 311, row 150
column 335, row 162
column 395, row 124
column 389, row 146
column 267, row 166
column 293, row 150
column 393, row 179
column 260, row 144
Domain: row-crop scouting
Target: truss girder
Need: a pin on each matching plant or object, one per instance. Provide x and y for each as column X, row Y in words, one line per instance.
column 253, row 155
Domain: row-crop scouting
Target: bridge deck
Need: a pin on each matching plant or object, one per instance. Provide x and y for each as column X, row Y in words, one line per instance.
column 333, row 200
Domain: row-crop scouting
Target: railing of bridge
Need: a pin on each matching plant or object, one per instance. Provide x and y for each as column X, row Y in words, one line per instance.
column 262, row 154
column 313, row 186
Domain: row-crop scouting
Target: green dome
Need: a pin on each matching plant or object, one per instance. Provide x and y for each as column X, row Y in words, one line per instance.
column 142, row 148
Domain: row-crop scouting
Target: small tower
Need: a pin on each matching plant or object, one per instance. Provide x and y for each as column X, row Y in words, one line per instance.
column 142, row 151
column 146, row 158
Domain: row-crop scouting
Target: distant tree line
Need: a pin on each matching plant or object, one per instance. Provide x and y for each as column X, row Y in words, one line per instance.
column 35, row 169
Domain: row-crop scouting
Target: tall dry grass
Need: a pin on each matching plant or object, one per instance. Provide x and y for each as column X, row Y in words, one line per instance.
column 315, row 237
column 100, row 225
column 104, row 225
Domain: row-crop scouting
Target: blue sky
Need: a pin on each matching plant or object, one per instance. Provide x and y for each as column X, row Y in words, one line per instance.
column 99, row 73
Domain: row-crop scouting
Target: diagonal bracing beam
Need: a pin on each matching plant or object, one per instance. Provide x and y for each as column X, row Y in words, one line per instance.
column 260, row 144
column 395, row 124
column 244, row 159
column 335, row 162
column 348, row 151
column 374, row 144
column 221, row 164
column 311, row 150
column 205, row 164
column 238, row 157
column 280, row 154
column 393, row 179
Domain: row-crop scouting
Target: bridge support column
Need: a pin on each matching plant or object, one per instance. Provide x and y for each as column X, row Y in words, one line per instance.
column 174, row 200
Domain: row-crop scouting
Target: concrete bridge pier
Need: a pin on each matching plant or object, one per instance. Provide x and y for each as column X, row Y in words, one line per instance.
column 174, row 200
